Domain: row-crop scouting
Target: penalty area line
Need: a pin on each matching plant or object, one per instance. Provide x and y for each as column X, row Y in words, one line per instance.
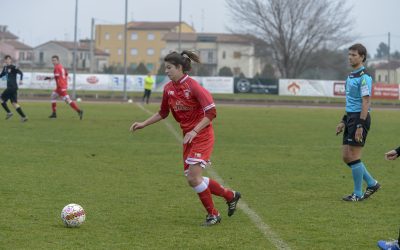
column 264, row 228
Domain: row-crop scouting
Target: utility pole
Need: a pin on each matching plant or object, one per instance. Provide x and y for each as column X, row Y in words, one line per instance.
column 92, row 47
column 180, row 28
column 75, row 51
column 125, row 38
column 388, row 57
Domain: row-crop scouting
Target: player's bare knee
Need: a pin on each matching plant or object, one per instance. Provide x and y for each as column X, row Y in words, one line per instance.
column 15, row 105
column 193, row 181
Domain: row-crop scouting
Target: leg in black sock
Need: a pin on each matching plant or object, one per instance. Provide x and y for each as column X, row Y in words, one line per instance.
column 20, row 112
column 5, row 107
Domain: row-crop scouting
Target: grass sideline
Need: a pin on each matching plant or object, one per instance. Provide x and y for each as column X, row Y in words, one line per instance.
column 235, row 98
column 285, row 161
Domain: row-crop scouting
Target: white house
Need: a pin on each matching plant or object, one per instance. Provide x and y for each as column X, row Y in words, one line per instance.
column 218, row 50
column 65, row 51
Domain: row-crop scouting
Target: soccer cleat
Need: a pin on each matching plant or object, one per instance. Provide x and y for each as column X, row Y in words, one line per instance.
column 371, row 190
column 80, row 113
column 232, row 204
column 24, row 119
column 388, row 245
column 53, row 115
column 212, row 220
column 353, row 197
column 8, row 115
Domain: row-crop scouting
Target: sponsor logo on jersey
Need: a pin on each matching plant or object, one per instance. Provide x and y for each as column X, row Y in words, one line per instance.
column 186, row 92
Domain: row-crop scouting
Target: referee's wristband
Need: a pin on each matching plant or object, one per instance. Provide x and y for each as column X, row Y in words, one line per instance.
column 360, row 123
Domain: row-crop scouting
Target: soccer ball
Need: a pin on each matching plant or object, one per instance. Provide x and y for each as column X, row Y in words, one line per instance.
column 78, row 99
column 73, row 215
column 130, row 101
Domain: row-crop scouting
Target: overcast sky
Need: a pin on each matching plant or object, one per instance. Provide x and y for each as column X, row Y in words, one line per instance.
column 38, row 21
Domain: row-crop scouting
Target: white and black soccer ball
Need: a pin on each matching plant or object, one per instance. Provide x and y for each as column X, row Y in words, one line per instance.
column 73, row 215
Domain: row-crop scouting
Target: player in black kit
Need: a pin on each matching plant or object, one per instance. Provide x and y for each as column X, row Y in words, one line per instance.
column 10, row 71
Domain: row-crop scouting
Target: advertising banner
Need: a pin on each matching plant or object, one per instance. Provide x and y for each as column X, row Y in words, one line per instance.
column 220, row 85
column 299, row 87
column 256, row 85
column 217, row 85
column 339, row 88
column 385, row 91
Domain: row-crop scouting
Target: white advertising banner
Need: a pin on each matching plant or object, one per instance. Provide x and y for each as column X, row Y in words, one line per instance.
column 135, row 83
column 300, row 87
column 218, row 85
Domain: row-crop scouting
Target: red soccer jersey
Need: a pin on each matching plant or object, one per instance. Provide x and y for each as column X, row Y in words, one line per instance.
column 61, row 77
column 188, row 102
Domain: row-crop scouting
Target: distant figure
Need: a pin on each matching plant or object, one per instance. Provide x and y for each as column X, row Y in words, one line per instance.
column 10, row 71
column 193, row 108
column 148, row 86
column 356, row 123
column 61, row 77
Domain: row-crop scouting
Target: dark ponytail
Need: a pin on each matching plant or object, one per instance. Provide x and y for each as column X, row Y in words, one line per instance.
column 184, row 59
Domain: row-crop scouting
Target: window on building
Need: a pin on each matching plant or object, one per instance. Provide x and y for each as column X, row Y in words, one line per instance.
column 119, row 36
column 119, row 52
column 237, row 55
column 386, row 78
column 29, row 56
column 107, row 36
column 134, row 52
column 223, row 55
column 150, row 52
column 208, row 56
column 150, row 66
column 41, row 57
column 236, row 71
column 379, row 78
column 21, row 56
column 107, row 51
column 151, row 36
column 134, row 36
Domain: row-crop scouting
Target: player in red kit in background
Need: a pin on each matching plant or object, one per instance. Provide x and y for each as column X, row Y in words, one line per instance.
column 61, row 77
column 193, row 108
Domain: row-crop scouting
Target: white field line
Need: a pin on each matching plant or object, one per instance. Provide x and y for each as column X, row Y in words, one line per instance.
column 254, row 217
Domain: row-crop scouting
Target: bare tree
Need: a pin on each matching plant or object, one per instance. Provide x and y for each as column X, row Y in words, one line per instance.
column 293, row 29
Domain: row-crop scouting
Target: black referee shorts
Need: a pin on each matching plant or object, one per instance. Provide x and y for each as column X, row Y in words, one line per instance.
column 350, row 129
column 10, row 94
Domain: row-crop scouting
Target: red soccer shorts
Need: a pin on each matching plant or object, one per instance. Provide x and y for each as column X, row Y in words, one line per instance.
column 199, row 150
column 61, row 92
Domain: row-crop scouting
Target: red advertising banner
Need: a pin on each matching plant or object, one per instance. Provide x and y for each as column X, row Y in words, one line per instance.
column 339, row 89
column 385, row 91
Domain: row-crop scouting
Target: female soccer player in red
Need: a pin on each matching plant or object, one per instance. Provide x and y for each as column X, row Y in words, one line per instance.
column 193, row 108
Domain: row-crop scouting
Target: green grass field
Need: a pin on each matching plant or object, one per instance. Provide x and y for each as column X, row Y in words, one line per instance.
column 285, row 161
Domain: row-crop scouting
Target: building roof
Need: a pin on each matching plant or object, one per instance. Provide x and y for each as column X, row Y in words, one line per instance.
column 5, row 34
column 18, row 45
column 392, row 65
column 82, row 46
column 209, row 37
column 153, row 25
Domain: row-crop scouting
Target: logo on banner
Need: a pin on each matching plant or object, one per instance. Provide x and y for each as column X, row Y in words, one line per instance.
column 243, row 86
column 339, row 89
column 293, row 88
column 92, row 79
